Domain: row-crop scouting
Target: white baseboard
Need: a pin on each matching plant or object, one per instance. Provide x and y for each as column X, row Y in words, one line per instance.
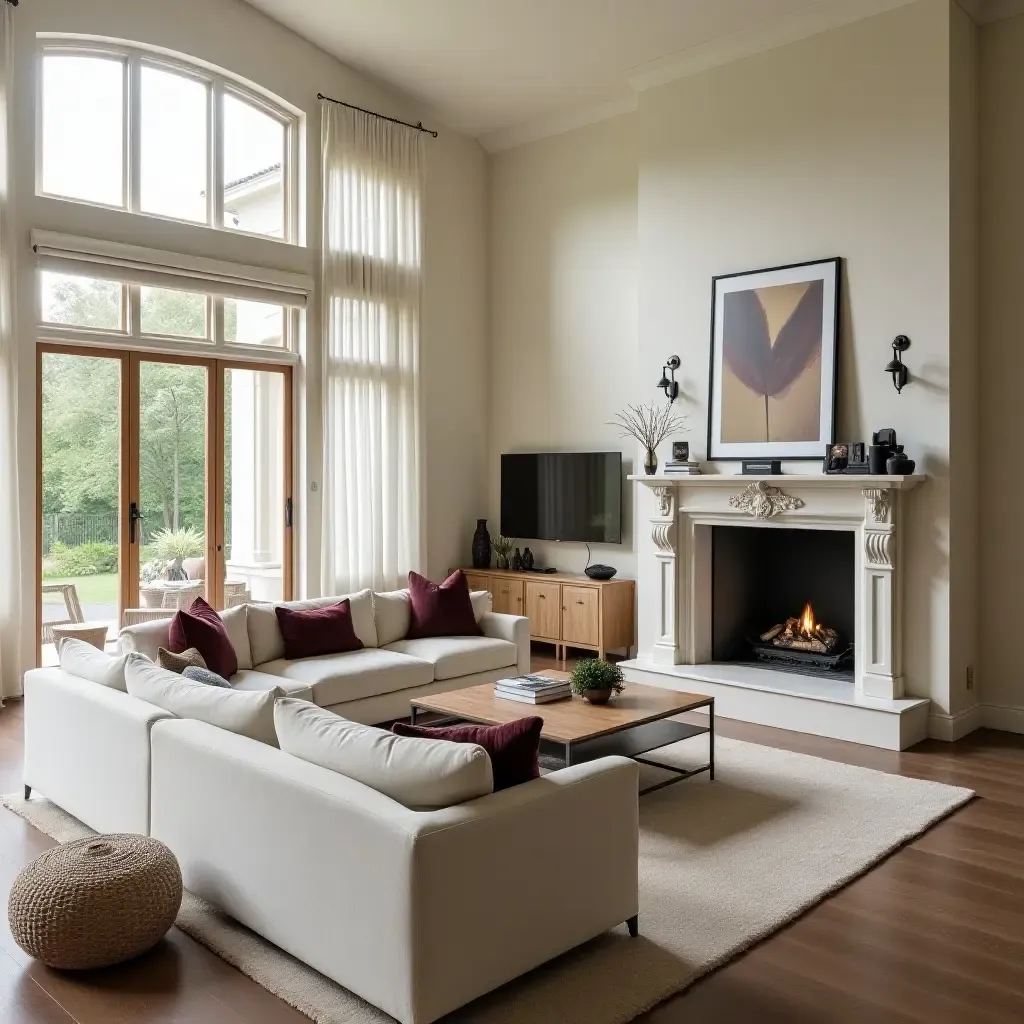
column 998, row 716
column 954, row 727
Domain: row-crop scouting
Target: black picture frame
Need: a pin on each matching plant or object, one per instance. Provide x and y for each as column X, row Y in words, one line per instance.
column 809, row 450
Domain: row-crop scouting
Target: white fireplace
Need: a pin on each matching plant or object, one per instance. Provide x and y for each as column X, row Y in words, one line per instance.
column 867, row 704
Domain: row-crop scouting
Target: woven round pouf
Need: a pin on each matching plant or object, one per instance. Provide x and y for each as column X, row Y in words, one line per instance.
column 95, row 902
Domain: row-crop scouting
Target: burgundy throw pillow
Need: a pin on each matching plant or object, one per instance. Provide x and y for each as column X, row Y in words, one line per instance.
column 309, row 632
column 441, row 609
column 200, row 627
column 512, row 747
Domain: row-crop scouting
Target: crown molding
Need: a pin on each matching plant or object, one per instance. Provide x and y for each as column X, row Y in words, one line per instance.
column 557, row 124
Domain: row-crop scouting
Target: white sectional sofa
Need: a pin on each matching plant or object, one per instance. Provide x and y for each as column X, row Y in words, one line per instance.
column 376, row 683
column 418, row 912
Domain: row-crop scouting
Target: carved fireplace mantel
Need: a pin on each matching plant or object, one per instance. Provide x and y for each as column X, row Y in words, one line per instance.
column 687, row 507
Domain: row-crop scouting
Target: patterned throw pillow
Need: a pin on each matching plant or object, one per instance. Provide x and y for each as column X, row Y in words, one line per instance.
column 204, row 675
column 179, row 662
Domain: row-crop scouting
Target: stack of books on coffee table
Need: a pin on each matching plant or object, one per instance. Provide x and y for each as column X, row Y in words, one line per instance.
column 532, row 689
column 682, row 468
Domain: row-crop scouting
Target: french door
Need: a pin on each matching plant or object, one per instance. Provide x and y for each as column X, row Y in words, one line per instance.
column 160, row 478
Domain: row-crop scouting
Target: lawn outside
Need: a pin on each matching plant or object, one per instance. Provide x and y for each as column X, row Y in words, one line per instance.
column 95, row 590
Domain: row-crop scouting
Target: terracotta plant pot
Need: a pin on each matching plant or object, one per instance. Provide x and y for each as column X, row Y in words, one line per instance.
column 597, row 696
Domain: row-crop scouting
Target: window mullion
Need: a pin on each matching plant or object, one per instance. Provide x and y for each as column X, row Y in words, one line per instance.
column 133, row 130
column 217, row 335
column 133, row 323
column 215, row 189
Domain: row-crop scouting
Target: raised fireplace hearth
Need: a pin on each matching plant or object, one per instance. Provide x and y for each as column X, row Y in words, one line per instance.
column 805, row 570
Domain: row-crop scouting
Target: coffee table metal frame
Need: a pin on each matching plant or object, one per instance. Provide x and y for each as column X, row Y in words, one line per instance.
column 630, row 741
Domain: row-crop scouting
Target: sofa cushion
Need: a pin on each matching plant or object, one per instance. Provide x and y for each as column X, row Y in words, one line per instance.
column 513, row 747
column 392, row 611
column 310, row 632
column 454, row 656
column 267, row 642
column 201, row 627
column 253, row 679
column 78, row 658
column 336, row 678
column 441, row 609
column 419, row 773
column 248, row 714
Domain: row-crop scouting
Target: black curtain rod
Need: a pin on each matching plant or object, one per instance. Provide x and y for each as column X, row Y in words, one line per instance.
column 384, row 117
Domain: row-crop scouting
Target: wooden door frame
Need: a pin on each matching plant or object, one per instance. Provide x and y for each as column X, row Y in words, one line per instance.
column 129, row 475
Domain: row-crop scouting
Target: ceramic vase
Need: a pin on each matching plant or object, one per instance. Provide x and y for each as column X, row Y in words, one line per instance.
column 481, row 546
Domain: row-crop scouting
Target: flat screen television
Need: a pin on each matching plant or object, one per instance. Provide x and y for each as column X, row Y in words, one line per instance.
column 562, row 496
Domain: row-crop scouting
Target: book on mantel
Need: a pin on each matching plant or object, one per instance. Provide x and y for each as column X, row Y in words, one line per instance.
column 683, row 468
column 532, row 689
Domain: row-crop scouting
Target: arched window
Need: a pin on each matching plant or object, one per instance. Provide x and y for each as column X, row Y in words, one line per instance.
column 132, row 129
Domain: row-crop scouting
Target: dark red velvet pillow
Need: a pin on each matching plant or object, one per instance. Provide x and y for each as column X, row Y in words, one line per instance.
column 200, row 627
column 441, row 609
column 512, row 747
column 308, row 632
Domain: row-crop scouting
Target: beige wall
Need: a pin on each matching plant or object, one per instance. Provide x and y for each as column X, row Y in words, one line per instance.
column 233, row 36
column 1002, row 370
column 837, row 145
column 964, row 610
column 563, row 307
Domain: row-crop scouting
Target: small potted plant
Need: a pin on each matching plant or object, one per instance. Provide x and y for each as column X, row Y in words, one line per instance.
column 502, row 548
column 596, row 680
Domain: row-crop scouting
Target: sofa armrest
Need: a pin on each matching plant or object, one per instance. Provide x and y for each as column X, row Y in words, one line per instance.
column 513, row 628
column 506, row 882
column 87, row 749
column 145, row 638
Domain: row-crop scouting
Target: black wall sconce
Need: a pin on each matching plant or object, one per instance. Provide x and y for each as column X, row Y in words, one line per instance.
column 895, row 366
column 670, row 387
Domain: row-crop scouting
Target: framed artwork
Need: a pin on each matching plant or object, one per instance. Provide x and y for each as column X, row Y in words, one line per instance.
column 774, row 335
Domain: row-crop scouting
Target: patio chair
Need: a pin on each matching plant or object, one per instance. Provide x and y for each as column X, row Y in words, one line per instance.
column 71, row 604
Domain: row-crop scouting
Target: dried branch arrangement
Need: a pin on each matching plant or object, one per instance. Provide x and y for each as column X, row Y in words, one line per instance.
column 649, row 424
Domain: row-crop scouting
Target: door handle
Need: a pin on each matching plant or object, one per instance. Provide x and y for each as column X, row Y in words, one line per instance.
column 134, row 515
column 288, row 513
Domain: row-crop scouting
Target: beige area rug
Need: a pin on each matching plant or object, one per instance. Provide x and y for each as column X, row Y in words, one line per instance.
column 722, row 865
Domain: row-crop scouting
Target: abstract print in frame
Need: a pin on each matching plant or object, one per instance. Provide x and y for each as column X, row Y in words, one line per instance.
column 774, row 336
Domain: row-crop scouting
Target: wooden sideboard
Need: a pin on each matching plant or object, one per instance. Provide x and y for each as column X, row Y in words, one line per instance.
column 565, row 610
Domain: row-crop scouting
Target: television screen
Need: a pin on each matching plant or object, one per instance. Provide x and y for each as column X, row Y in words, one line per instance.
column 562, row 496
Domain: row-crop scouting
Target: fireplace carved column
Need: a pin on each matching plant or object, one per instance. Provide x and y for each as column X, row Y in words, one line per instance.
column 665, row 534
column 880, row 636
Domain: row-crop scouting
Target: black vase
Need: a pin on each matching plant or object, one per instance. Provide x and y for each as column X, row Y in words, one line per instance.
column 517, row 561
column 481, row 546
column 527, row 559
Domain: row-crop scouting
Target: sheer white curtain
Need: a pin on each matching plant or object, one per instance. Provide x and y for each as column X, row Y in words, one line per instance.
column 373, row 522
column 10, row 548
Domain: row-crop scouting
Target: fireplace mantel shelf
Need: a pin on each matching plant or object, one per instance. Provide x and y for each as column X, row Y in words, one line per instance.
column 851, row 480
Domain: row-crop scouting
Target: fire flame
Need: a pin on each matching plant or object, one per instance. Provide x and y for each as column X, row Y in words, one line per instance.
column 807, row 623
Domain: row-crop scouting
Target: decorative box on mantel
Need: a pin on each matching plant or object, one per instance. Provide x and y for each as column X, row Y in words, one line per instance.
column 679, row 598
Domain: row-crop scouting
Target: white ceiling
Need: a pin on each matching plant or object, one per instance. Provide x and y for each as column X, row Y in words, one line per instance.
column 510, row 70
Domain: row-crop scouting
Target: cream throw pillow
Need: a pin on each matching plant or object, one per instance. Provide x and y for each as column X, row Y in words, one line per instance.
column 245, row 712
column 78, row 658
column 422, row 774
column 267, row 643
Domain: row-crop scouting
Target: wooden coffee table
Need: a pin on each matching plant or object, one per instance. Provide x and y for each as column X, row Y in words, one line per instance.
column 635, row 722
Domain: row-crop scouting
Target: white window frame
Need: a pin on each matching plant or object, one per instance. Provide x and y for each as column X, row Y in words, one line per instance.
column 219, row 83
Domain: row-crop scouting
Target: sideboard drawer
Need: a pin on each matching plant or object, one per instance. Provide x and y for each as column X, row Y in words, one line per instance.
column 580, row 621
column 507, row 596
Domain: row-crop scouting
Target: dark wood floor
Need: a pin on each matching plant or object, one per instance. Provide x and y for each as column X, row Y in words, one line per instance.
column 934, row 934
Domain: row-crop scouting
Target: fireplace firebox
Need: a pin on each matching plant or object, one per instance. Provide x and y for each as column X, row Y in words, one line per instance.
column 784, row 598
